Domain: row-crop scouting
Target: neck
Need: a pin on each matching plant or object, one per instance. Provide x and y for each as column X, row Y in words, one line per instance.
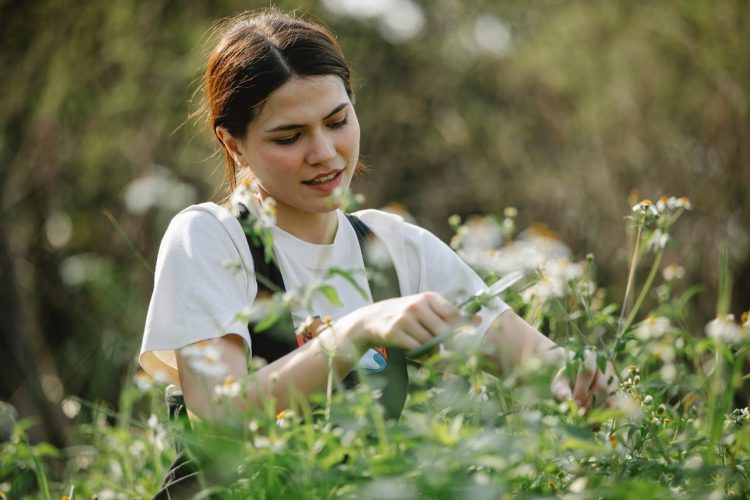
column 316, row 228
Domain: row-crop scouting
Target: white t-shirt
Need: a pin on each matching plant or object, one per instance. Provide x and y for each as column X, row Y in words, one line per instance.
column 204, row 277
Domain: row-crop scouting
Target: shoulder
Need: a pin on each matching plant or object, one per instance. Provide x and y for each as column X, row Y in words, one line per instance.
column 204, row 224
column 380, row 221
column 387, row 225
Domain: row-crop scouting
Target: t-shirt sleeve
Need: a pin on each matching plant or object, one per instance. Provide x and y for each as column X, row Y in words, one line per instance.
column 200, row 285
column 440, row 270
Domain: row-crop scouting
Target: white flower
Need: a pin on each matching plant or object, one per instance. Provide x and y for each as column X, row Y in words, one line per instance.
column 284, row 417
column 156, row 433
column 648, row 399
column 652, row 327
column 158, row 188
column 209, row 368
column 661, row 205
column 681, row 202
column 479, row 393
column 546, row 288
column 562, row 269
column 724, row 329
column 261, row 442
column 137, row 448
column 668, row 372
column 205, row 359
column 246, row 195
column 267, row 212
column 646, row 207
column 658, row 240
column 143, row 380
column 628, row 405
column 70, row 407
column 673, row 271
column 586, row 287
column 545, row 241
column 230, row 388
column 478, row 233
column 664, row 352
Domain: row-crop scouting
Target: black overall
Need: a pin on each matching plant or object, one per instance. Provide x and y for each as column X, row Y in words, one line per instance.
column 182, row 478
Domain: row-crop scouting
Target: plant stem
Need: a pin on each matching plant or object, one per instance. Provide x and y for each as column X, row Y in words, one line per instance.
column 121, row 232
column 629, row 285
column 644, row 290
column 655, row 437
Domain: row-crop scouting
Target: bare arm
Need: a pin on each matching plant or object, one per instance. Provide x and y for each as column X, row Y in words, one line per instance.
column 404, row 322
column 510, row 342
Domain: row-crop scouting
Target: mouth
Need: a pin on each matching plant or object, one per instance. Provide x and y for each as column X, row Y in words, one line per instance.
column 323, row 178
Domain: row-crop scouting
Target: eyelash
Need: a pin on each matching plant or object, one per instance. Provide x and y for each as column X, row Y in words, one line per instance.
column 293, row 139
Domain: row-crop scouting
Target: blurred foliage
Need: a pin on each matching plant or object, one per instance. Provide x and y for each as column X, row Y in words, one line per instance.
column 569, row 111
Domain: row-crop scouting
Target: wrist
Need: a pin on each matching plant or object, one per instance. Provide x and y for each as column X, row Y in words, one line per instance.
column 343, row 338
column 553, row 354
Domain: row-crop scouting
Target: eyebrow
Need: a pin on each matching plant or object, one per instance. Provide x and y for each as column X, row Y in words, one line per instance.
column 295, row 126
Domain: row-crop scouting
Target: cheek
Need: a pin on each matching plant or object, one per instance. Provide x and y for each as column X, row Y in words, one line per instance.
column 352, row 138
column 277, row 160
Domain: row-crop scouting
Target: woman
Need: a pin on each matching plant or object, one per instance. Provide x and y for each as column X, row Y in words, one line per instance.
column 281, row 105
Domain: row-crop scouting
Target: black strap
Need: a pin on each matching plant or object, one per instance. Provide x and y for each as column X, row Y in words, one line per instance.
column 280, row 339
column 383, row 283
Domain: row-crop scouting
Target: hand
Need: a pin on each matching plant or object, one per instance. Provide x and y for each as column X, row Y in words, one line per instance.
column 405, row 322
column 592, row 388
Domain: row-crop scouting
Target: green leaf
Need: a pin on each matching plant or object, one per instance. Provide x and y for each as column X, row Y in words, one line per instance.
column 331, row 294
column 335, row 271
column 268, row 321
column 601, row 361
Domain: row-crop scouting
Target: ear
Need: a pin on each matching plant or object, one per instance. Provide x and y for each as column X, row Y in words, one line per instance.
column 232, row 145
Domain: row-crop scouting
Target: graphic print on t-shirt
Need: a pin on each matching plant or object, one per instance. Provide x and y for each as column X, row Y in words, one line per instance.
column 373, row 361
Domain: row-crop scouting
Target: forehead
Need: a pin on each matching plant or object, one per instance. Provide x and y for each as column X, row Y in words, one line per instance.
column 301, row 100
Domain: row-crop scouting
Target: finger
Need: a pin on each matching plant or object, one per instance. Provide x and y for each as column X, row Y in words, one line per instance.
column 610, row 385
column 560, row 387
column 585, row 378
column 433, row 323
column 405, row 341
column 604, row 387
column 414, row 328
column 442, row 307
column 598, row 390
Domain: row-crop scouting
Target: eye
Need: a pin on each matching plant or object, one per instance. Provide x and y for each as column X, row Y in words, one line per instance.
column 287, row 140
column 339, row 123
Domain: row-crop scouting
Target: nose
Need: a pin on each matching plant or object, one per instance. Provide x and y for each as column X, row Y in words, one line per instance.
column 322, row 149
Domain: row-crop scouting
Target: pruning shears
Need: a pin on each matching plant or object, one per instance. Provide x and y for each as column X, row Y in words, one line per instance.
column 468, row 309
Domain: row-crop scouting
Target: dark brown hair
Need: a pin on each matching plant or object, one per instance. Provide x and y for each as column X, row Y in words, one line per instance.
column 256, row 53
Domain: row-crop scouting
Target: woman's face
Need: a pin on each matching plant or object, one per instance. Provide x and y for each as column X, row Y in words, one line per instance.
column 303, row 144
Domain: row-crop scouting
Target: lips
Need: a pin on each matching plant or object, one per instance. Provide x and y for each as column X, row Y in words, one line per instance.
column 322, row 178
